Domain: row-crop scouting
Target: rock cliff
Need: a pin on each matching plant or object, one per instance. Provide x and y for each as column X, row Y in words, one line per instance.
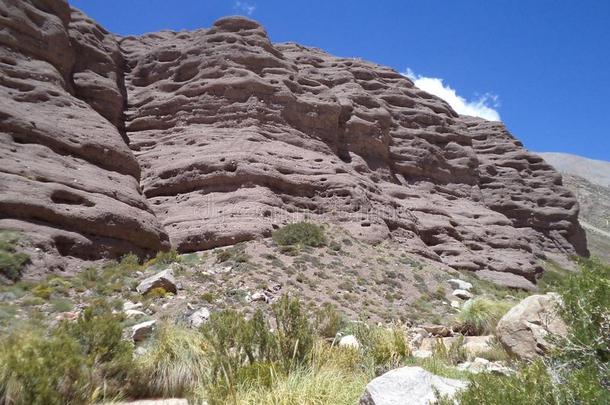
column 206, row 138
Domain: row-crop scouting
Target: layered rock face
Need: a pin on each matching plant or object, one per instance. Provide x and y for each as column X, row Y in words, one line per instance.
column 217, row 136
column 67, row 176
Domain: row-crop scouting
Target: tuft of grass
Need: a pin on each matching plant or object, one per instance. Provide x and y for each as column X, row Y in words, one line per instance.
column 236, row 254
column 42, row 291
column 163, row 259
column 174, row 366
column 480, row 315
column 158, row 292
column 300, row 235
column 12, row 262
column 306, row 386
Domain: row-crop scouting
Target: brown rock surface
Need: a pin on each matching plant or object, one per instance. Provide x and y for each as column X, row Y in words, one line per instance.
column 231, row 136
column 525, row 329
column 67, row 177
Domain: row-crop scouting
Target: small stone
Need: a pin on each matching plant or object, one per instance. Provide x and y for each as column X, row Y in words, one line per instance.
column 259, row 296
column 142, row 330
column 199, row 317
column 463, row 294
column 349, row 341
column 459, row 284
column 127, row 305
column 455, row 304
column 134, row 313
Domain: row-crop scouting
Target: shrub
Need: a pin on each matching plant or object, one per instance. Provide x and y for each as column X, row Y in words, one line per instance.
column 77, row 363
column 294, row 332
column 328, row 321
column 12, row 262
column 300, row 234
column 586, row 310
column 385, row 347
column 41, row 370
column 532, row 384
column 107, row 356
column 480, row 315
column 173, row 367
column 157, row 292
column 42, row 291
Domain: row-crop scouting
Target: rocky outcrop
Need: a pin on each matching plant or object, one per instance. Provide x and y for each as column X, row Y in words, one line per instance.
column 207, row 138
column 525, row 329
column 68, row 179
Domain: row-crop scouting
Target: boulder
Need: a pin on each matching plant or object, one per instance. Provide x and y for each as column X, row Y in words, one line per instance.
column 408, row 385
column 198, row 318
column 163, row 279
column 142, row 330
column 524, row 329
column 349, row 341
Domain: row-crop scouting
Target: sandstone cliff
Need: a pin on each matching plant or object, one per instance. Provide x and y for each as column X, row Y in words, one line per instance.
column 207, row 138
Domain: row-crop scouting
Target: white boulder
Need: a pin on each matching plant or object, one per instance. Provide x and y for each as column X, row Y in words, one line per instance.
column 349, row 341
column 459, row 284
column 409, row 385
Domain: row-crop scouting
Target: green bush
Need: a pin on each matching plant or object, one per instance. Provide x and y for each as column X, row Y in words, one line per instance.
column 299, row 235
column 42, row 370
column 386, row 348
column 586, row 310
column 42, row 291
column 532, row 384
column 294, row 334
column 77, row 362
column 480, row 315
column 12, row 262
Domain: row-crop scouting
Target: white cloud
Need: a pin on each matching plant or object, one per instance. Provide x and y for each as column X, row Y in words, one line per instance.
column 244, row 7
column 484, row 107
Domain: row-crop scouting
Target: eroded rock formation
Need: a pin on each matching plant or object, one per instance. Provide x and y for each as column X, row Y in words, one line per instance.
column 207, row 138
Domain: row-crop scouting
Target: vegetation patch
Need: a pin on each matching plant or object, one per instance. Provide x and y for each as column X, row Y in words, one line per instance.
column 12, row 262
column 299, row 235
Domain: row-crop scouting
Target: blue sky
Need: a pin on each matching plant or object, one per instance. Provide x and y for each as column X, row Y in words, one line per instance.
column 543, row 66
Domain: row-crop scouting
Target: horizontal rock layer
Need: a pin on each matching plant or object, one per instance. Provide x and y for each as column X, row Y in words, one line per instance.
column 207, row 138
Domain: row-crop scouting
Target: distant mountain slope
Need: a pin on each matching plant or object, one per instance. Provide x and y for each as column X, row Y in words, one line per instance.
column 595, row 171
column 586, row 179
